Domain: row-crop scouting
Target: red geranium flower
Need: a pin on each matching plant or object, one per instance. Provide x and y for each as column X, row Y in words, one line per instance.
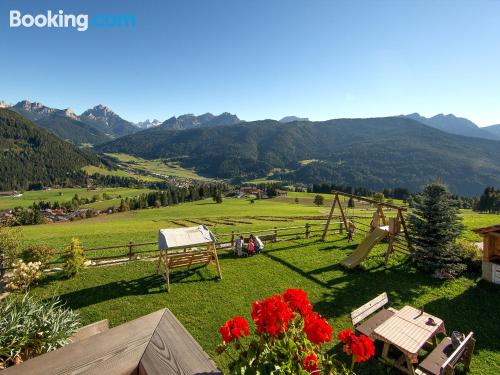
column 346, row 337
column 298, row 301
column 271, row 315
column 363, row 348
column 310, row 363
column 317, row 329
column 234, row 329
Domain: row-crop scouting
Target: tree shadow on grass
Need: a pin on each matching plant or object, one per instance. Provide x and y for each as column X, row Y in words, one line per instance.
column 151, row 284
column 474, row 310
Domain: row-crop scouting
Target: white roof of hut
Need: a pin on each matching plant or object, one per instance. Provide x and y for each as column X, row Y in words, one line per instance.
column 184, row 237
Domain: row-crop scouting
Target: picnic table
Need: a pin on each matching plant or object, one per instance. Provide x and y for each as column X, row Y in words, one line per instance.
column 409, row 330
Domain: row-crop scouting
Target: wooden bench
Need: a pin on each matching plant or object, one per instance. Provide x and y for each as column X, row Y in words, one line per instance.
column 187, row 259
column 443, row 359
column 375, row 307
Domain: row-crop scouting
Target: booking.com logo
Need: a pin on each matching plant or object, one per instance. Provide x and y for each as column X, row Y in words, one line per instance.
column 80, row 22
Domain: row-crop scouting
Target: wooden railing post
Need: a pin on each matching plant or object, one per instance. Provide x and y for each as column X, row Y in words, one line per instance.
column 307, row 230
column 341, row 228
column 130, row 253
column 275, row 234
column 232, row 238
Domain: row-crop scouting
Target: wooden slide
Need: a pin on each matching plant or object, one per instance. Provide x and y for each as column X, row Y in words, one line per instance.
column 365, row 247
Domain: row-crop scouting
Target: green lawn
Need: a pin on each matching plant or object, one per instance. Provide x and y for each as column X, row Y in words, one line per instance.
column 239, row 214
column 157, row 166
column 92, row 169
column 124, row 292
column 64, row 195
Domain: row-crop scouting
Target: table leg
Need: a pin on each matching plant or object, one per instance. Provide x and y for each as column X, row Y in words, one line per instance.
column 434, row 341
column 385, row 350
column 409, row 364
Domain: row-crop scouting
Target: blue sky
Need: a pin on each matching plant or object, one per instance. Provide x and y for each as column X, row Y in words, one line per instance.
column 261, row 58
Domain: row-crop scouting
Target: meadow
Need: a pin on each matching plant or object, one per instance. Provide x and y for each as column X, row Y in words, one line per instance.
column 202, row 303
column 65, row 195
column 156, row 166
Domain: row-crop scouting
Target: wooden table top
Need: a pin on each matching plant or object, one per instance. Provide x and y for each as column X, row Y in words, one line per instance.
column 409, row 330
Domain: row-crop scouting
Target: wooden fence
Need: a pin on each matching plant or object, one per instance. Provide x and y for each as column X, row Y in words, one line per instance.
column 133, row 250
column 225, row 240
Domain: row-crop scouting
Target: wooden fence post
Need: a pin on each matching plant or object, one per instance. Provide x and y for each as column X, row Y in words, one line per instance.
column 232, row 238
column 341, row 228
column 307, row 230
column 275, row 234
column 130, row 253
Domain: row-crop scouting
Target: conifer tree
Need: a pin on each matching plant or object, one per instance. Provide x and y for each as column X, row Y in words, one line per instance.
column 435, row 226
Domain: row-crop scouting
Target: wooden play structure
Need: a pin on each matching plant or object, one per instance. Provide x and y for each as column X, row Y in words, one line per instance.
column 491, row 252
column 184, row 248
column 380, row 228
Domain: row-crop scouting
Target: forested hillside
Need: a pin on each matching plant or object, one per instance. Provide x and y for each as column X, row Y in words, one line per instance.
column 30, row 155
column 376, row 153
column 72, row 130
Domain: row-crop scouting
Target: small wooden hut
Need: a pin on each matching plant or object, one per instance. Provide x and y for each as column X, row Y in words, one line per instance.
column 186, row 247
column 491, row 252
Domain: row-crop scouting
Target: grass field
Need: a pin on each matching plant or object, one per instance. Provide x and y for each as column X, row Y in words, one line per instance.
column 124, row 292
column 64, row 195
column 157, row 166
column 92, row 169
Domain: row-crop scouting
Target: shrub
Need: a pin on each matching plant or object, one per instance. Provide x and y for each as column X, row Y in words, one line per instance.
column 23, row 275
column 74, row 258
column 10, row 240
column 39, row 253
column 289, row 338
column 470, row 254
column 31, row 327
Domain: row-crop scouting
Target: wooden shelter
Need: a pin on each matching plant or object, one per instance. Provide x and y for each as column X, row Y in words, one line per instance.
column 491, row 252
column 155, row 344
column 186, row 247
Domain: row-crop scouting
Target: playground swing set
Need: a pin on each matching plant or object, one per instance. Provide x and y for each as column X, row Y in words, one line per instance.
column 380, row 228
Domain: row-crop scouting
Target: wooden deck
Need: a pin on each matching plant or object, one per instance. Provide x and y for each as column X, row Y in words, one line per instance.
column 151, row 345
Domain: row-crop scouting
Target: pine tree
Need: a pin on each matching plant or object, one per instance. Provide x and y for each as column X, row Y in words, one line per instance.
column 435, row 225
column 217, row 196
column 319, row 200
column 350, row 202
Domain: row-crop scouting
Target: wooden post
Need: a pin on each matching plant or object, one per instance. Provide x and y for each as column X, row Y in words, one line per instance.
column 232, row 238
column 344, row 219
column 405, row 230
column 325, row 231
column 130, row 253
column 307, row 230
column 382, row 215
column 341, row 227
column 275, row 234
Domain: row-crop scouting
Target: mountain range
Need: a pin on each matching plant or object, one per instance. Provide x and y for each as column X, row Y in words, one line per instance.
column 94, row 126
column 456, row 125
column 190, row 121
column 288, row 119
column 375, row 153
column 404, row 151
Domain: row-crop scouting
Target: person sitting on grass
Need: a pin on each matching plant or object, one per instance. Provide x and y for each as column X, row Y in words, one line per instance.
column 251, row 246
column 258, row 244
column 238, row 246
